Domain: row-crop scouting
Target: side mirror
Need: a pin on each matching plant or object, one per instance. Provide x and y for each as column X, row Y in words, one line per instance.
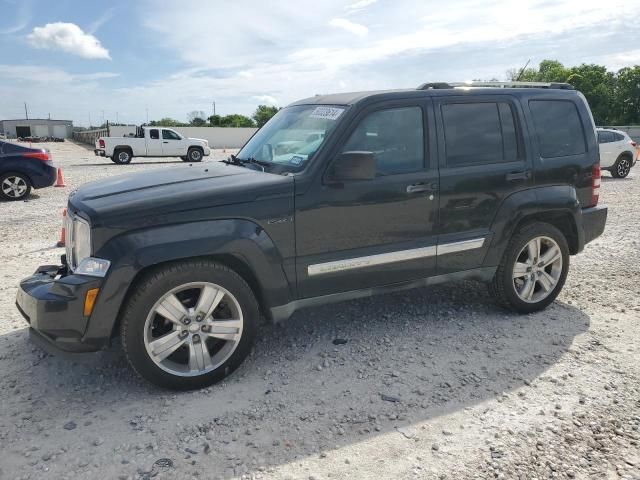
column 356, row 165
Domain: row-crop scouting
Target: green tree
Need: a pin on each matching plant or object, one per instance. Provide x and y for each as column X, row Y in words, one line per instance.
column 627, row 96
column 597, row 85
column 166, row 122
column 233, row 120
column 196, row 118
column 263, row 113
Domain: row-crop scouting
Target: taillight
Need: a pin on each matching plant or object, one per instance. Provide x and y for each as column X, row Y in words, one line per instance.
column 44, row 156
column 101, row 143
column 633, row 144
column 595, row 185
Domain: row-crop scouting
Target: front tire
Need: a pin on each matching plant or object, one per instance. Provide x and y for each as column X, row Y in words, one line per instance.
column 122, row 157
column 194, row 155
column 189, row 325
column 533, row 269
column 14, row 186
column 622, row 167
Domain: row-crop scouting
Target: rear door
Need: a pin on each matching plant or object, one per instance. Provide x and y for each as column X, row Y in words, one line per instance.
column 154, row 144
column 482, row 161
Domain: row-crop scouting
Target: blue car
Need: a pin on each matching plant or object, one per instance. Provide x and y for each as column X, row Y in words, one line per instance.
column 22, row 169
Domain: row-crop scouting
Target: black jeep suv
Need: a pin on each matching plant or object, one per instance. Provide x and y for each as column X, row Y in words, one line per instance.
column 336, row 197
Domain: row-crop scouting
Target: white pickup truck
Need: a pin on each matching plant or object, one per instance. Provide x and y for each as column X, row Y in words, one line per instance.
column 152, row 142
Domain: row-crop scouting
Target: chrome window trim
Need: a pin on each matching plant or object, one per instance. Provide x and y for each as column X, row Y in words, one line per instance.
column 393, row 257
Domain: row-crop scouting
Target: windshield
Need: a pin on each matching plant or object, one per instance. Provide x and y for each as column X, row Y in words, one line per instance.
column 292, row 136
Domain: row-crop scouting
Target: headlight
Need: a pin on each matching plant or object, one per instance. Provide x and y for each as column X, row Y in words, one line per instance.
column 81, row 240
column 95, row 267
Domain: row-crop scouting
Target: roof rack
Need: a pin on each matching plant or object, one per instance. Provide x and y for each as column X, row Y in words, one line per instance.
column 445, row 85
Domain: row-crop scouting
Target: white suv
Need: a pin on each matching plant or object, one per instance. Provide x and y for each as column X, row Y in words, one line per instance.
column 618, row 153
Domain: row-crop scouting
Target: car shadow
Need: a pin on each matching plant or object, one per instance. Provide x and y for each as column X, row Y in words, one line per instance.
column 329, row 377
column 32, row 196
column 111, row 164
column 614, row 179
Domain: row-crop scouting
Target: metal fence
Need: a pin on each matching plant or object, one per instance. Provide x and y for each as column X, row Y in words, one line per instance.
column 90, row 136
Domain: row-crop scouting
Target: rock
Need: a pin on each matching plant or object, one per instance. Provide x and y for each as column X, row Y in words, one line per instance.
column 70, row 426
column 435, row 447
column 389, row 398
column 340, row 341
column 98, row 441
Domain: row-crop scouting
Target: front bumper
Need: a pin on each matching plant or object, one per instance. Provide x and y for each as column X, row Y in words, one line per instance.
column 52, row 303
column 593, row 222
column 98, row 152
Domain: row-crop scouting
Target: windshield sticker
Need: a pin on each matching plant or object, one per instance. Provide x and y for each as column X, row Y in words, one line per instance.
column 327, row 113
column 296, row 160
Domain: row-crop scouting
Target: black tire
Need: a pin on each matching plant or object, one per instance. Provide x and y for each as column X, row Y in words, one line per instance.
column 194, row 154
column 149, row 290
column 14, row 186
column 184, row 159
column 503, row 287
column 122, row 156
column 622, row 167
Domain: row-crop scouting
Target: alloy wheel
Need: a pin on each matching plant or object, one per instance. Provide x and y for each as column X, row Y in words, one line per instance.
column 623, row 167
column 14, row 187
column 193, row 329
column 537, row 269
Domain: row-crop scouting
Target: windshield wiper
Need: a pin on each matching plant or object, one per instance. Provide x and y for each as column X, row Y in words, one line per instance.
column 233, row 160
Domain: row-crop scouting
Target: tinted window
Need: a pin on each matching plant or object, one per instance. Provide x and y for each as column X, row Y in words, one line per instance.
column 605, row 137
column 558, row 128
column 395, row 136
column 8, row 148
column 479, row 133
column 169, row 135
column 154, row 134
column 618, row 137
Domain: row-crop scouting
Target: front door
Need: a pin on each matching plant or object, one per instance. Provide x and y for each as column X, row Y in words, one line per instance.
column 358, row 234
column 482, row 161
column 172, row 145
column 154, row 144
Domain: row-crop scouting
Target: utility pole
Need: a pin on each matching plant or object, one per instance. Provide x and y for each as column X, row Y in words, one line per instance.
column 102, row 117
column 147, row 115
column 214, row 109
column 89, row 120
column 26, row 113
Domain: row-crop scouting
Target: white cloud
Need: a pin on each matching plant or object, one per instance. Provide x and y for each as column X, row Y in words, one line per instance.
column 361, row 4
column 69, row 38
column 267, row 99
column 349, row 26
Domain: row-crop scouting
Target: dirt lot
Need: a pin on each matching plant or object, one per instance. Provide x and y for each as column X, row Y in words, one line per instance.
column 434, row 383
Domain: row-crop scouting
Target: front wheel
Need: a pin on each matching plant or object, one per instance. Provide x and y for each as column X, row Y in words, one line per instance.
column 189, row 325
column 533, row 269
column 194, row 155
column 621, row 168
column 14, row 186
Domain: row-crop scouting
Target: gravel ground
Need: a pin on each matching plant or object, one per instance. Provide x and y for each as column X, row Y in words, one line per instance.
column 440, row 384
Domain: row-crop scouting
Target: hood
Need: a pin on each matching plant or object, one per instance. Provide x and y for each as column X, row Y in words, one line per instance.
column 148, row 196
column 202, row 140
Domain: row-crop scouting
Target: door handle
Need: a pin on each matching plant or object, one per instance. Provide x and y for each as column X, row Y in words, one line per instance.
column 422, row 187
column 515, row 176
column 165, row 142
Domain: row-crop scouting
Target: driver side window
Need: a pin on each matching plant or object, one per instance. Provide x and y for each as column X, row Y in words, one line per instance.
column 169, row 135
column 395, row 137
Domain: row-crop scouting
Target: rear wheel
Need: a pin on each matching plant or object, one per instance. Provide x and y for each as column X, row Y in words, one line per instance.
column 533, row 269
column 14, row 186
column 622, row 167
column 122, row 156
column 189, row 325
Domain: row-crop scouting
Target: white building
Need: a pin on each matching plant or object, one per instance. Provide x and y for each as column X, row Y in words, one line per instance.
column 36, row 127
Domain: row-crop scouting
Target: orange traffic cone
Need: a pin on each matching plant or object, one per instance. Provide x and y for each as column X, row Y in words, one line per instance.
column 60, row 180
column 62, row 240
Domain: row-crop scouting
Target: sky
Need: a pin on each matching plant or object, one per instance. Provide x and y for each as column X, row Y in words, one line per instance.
column 133, row 60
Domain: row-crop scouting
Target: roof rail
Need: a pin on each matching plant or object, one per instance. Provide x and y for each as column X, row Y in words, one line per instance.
column 444, row 85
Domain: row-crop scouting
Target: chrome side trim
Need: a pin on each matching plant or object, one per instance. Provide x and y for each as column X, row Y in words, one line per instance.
column 461, row 246
column 393, row 257
column 371, row 260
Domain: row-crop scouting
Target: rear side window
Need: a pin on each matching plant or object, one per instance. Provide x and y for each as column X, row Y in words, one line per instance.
column 479, row 133
column 8, row 148
column 605, row 137
column 154, row 134
column 558, row 128
column 617, row 137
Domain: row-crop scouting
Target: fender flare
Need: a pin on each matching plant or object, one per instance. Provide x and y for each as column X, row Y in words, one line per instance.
column 550, row 202
column 136, row 251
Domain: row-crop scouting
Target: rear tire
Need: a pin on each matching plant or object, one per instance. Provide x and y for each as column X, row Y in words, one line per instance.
column 194, row 155
column 533, row 269
column 122, row 156
column 203, row 318
column 622, row 167
column 14, row 186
